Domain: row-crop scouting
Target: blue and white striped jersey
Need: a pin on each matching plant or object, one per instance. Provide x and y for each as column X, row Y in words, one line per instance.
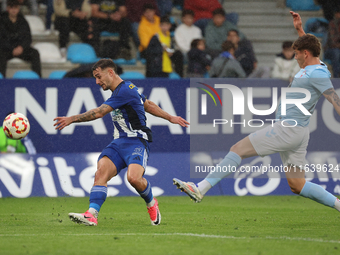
column 128, row 115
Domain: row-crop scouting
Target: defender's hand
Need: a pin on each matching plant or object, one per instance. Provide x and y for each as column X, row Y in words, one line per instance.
column 296, row 20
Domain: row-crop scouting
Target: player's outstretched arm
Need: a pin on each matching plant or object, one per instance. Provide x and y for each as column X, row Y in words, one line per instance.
column 333, row 98
column 297, row 23
column 155, row 110
column 93, row 114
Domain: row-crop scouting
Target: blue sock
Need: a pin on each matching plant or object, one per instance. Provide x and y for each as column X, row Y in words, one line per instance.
column 230, row 161
column 318, row 194
column 97, row 197
column 147, row 193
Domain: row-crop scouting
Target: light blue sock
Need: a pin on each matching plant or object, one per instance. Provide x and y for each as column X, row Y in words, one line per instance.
column 230, row 161
column 318, row 194
column 97, row 197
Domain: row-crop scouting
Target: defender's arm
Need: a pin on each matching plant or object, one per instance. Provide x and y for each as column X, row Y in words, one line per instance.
column 155, row 110
column 333, row 98
column 93, row 114
column 297, row 23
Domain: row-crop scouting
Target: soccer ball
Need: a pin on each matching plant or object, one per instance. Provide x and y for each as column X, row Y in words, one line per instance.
column 16, row 126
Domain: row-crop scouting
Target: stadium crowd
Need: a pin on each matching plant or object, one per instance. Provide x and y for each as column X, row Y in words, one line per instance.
column 166, row 47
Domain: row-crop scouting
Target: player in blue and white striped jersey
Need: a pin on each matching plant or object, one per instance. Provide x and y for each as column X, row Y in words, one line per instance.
column 130, row 146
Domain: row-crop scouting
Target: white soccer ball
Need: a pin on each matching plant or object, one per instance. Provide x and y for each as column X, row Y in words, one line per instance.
column 16, row 126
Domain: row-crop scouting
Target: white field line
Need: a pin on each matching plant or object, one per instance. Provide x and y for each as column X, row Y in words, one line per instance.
column 306, row 239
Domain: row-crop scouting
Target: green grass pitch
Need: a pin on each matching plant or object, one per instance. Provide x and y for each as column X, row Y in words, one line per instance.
column 218, row 225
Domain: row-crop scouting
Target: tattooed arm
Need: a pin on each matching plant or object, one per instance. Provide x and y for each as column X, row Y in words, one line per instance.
column 333, row 98
column 87, row 116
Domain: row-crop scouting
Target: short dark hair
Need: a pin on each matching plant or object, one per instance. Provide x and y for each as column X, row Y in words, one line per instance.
column 227, row 46
column 194, row 43
column 165, row 19
column 218, row 11
column 308, row 42
column 188, row 12
column 105, row 63
column 148, row 7
column 234, row 30
column 287, row 45
column 12, row 3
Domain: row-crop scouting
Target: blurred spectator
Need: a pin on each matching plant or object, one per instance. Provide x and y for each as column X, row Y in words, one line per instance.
column 160, row 55
column 244, row 52
column 186, row 32
column 49, row 13
column 225, row 65
column 134, row 13
column 110, row 15
column 203, row 10
column 16, row 38
column 178, row 4
column 216, row 32
column 164, row 7
column 24, row 145
column 328, row 7
column 332, row 47
column 32, row 4
column 148, row 26
column 73, row 15
column 199, row 60
column 285, row 66
column 85, row 71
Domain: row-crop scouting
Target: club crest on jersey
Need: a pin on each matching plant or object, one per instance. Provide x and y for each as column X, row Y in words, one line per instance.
column 116, row 115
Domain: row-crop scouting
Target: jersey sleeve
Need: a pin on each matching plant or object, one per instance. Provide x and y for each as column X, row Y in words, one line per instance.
column 124, row 96
column 142, row 97
column 320, row 79
column 118, row 100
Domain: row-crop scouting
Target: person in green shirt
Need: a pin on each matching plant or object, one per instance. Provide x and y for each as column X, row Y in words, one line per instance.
column 8, row 145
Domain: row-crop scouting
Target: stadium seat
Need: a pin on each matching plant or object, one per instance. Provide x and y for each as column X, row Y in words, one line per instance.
column 316, row 26
column 81, row 53
column 57, row 74
column 16, row 60
column 1, row 76
column 174, row 75
column 25, row 74
column 36, row 24
column 142, row 60
column 302, row 5
column 122, row 61
column 109, row 34
column 49, row 53
column 132, row 75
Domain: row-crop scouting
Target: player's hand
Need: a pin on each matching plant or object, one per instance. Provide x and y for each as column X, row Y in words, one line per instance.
column 296, row 20
column 62, row 122
column 18, row 51
column 179, row 120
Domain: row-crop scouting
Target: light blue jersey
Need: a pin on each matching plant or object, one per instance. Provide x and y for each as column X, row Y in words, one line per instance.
column 314, row 78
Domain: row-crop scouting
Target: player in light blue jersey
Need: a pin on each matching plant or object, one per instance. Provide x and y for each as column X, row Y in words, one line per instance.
column 130, row 146
column 291, row 142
